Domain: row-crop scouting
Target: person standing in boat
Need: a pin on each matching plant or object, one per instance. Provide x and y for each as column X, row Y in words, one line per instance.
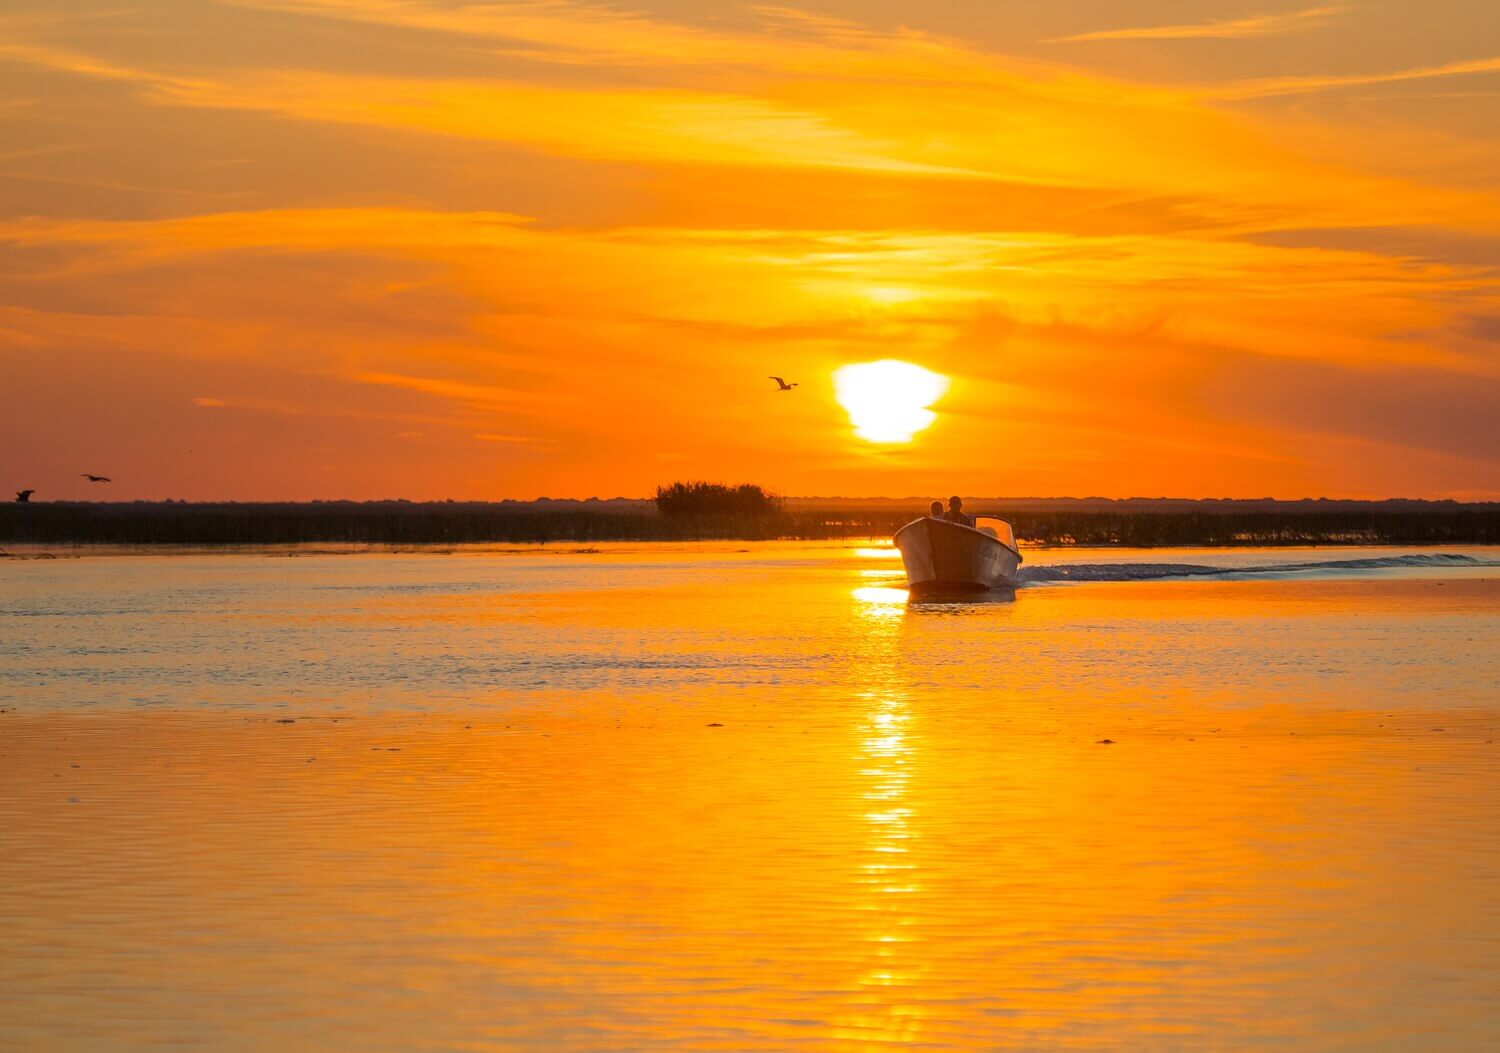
column 956, row 513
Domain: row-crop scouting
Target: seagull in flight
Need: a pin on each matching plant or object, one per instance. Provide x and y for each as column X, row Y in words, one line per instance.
column 96, row 478
column 782, row 385
column 23, row 496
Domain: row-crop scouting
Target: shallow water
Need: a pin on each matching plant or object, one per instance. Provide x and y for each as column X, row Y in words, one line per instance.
column 747, row 797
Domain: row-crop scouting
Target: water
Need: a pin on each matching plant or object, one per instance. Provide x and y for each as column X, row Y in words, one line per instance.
column 747, row 797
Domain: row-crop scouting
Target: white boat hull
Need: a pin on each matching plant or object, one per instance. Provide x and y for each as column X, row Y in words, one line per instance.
column 947, row 557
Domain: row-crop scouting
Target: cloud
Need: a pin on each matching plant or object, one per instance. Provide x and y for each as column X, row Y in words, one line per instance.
column 1460, row 248
column 483, row 396
column 1227, row 29
column 67, row 61
column 604, row 123
column 252, row 404
column 288, row 230
column 900, row 106
column 568, row 33
column 1485, row 327
column 1418, row 409
column 516, row 439
column 505, row 297
column 1265, row 87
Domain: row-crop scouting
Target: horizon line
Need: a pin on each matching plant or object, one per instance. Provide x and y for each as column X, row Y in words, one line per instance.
column 915, row 498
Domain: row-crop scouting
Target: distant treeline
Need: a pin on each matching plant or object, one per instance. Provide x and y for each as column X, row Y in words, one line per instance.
column 450, row 523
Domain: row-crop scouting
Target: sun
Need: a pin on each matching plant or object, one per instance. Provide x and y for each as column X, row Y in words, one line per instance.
column 887, row 400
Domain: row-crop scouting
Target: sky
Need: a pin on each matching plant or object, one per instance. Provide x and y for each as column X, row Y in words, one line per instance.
column 296, row 249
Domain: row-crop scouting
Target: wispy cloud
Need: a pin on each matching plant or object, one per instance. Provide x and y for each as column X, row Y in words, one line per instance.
column 482, row 396
column 82, row 64
column 253, row 404
column 1226, row 29
column 893, row 106
column 519, row 440
column 1255, row 89
column 990, row 123
column 381, row 230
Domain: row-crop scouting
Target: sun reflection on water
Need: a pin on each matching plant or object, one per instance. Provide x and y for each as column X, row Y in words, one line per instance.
column 881, row 601
column 889, row 875
column 889, row 872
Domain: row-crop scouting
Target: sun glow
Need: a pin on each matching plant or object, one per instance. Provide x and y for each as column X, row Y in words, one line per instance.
column 887, row 400
column 890, row 294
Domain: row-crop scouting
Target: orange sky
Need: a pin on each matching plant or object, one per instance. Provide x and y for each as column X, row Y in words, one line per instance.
column 267, row 249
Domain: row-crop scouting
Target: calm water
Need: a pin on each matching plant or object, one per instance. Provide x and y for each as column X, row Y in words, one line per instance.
column 746, row 797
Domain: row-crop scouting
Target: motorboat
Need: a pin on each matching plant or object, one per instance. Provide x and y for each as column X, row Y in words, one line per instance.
column 943, row 556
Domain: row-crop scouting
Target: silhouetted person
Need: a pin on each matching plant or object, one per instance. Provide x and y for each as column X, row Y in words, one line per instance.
column 782, row 385
column 936, row 510
column 23, row 496
column 956, row 512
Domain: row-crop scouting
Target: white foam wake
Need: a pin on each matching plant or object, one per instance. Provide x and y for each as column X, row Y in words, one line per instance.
column 1153, row 571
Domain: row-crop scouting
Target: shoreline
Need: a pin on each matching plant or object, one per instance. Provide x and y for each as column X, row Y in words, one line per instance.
column 284, row 550
column 398, row 525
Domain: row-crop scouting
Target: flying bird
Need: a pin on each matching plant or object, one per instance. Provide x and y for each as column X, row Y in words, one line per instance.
column 782, row 385
column 96, row 478
column 22, row 496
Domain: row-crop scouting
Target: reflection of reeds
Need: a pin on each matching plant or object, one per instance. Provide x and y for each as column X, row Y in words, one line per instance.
column 405, row 523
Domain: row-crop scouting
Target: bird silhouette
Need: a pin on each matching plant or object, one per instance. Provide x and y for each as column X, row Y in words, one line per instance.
column 23, row 496
column 96, row 478
column 782, row 385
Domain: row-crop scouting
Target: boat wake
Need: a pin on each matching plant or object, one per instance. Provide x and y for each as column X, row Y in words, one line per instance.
column 1154, row 571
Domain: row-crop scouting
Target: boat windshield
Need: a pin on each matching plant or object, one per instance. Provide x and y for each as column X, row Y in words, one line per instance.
column 996, row 528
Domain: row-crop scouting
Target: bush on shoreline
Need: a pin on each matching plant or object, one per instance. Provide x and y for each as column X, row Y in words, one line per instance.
column 698, row 500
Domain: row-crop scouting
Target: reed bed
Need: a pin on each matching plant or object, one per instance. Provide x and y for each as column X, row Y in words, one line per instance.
column 400, row 523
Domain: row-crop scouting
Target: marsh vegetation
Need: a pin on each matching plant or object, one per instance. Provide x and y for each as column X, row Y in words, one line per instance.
column 689, row 511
